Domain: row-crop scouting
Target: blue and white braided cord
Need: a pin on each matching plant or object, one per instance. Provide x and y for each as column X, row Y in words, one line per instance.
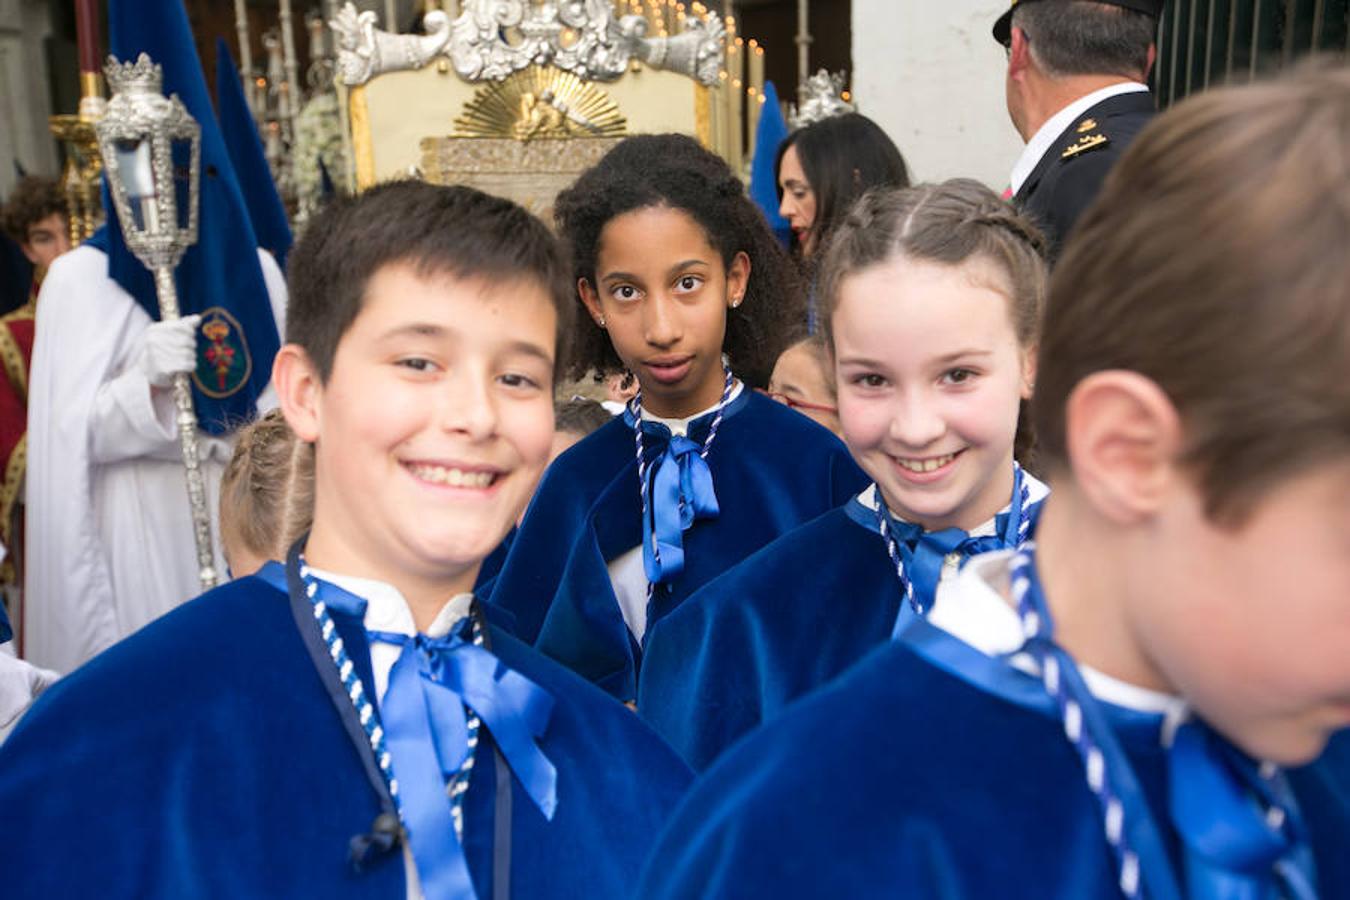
column 365, row 710
column 458, row 785
column 893, row 547
column 1024, row 513
column 636, row 411
column 1071, row 712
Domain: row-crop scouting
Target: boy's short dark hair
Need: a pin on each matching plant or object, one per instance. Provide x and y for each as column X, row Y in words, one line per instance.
column 33, row 199
column 438, row 230
column 1080, row 37
column 1214, row 264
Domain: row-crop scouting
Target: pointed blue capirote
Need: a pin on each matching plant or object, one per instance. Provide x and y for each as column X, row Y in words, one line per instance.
column 219, row 276
column 237, row 127
column 769, row 136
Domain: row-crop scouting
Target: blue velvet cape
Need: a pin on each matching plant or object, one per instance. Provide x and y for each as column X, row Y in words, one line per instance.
column 779, row 625
column 782, row 623
column 908, row 777
column 202, row 757
column 773, row 469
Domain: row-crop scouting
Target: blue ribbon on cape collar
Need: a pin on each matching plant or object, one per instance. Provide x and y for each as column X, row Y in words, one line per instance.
column 924, row 552
column 680, row 490
column 1216, row 796
column 680, row 485
column 1242, row 836
column 427, row 734
column 430, row 685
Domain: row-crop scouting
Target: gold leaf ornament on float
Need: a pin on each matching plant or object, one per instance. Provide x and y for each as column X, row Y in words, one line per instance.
column 540, row 102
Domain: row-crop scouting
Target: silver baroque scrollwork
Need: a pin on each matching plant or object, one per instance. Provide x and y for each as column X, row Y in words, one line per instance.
column 364, row 51
column 820, row 97
column 492, row 39
column 696, row 51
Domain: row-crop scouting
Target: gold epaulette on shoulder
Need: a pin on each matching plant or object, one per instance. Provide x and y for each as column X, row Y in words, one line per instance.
column 1085, row 143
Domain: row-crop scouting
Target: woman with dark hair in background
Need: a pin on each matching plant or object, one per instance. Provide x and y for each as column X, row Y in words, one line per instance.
column 824, row 167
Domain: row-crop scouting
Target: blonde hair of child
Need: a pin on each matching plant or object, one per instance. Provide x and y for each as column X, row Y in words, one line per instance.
column 267, row 491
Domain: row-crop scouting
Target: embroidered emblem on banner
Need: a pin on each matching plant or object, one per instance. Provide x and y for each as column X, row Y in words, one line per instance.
column 1086, row 125
column 223, row 361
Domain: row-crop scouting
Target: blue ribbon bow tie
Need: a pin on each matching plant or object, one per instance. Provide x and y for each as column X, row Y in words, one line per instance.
column 680, row 488
column 427, row 735
column 1233, row 851
column 924, row 552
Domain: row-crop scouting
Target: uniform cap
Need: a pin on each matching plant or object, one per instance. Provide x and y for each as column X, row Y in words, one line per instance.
column 1003, row 27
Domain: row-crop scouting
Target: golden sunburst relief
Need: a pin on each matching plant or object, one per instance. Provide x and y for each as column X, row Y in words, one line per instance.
column 540, row 102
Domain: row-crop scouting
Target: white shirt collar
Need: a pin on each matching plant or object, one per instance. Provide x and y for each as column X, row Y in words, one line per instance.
column 1054, row 126
column 680, row 427
column 1037, row 491
column 387, row 610
column 971, row 607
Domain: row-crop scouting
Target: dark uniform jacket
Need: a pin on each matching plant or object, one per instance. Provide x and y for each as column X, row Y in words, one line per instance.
column 1069, row 175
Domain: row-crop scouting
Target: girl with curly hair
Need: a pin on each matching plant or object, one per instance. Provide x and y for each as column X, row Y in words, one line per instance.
column 685, row 288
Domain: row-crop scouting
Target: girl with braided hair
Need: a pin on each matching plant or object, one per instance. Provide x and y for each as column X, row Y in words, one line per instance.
column 266, row 494
column 930, row 302
column 684, row 287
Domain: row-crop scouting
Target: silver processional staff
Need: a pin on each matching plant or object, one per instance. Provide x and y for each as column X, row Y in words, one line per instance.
column 146, row 140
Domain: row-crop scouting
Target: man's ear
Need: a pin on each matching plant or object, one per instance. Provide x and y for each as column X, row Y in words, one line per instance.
column 1019, row 54
column 1152, row 58
column 299, row 390
column 1124, row 438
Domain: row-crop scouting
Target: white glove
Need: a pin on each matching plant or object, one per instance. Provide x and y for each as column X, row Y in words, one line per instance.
column 168, row 348
column 20, row 684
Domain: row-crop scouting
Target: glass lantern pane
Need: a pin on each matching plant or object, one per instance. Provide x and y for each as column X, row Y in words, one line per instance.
column 183, row 188
column 133, row 167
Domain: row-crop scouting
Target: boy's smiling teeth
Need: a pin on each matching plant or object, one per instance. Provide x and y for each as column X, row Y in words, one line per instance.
column 932, row 464
column 452, row 476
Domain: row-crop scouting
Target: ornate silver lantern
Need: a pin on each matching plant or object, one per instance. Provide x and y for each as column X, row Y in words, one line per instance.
column 151, row 149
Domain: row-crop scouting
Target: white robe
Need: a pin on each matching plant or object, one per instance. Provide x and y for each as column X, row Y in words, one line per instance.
column 109, row 530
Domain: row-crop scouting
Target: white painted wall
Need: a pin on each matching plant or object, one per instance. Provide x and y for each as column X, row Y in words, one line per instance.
column 929, row 73
column 24, row 103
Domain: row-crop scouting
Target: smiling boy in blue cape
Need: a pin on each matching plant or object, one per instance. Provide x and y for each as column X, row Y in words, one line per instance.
column 350, row 725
